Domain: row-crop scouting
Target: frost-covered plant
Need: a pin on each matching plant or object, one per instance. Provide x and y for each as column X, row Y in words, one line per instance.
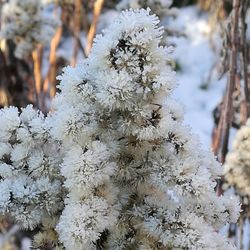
column 237, row 166
column 30, row 180
column 91, row 207
column 23, row 22
column 136, row 177
column 31, row 188
column 159, row 7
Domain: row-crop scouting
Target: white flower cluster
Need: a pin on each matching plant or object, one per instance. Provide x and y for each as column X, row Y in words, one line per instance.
column 237, row 166
column 24, row 23
column 135, row 176
column 159, row 7
column 30, row 181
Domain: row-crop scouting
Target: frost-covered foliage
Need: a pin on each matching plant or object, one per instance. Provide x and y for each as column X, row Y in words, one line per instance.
column 91, row 207
column 237, row 166
column 30, row 181
column 159, row 7
column 24, row 23
column 135, row 176
column 31, row 188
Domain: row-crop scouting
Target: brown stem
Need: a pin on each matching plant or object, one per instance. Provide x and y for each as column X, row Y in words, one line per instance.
column 227, row 116
column 241, row 222
column 50, row 80
column 85, row 22
column 92, row 31
column 37, row 61
column 77, row 29
column 5, row 98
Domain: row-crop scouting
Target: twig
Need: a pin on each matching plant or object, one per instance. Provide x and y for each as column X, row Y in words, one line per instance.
column 77, row 29
column 241, row 231
column 51, row 75
column 85, row 22
column 4, row 84
column 37, row 60
column 92, row 31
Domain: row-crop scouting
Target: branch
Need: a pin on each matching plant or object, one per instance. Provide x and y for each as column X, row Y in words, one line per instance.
column 37, row 61
column 77, row 30
column 51, row 75
column 92, row 31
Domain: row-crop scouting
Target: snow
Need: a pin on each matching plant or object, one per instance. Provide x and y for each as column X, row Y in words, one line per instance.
column 196, row 57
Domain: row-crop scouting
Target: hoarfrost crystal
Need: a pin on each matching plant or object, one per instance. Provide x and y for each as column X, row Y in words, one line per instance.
column 159, row 189
column 29, row 167
column 135, row 176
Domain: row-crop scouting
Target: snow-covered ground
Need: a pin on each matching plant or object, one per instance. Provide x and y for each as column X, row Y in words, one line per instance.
column 197, row 53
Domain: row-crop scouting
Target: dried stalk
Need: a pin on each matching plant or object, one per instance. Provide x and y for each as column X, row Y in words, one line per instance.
column 37, row 61
column 85, row 22
column 241, row 231
column 236, row 44
column 222, row 135
column 92, row 31
column 5, row 97
column 244, row 61
column 236, row 40
column 227, row 115
column 77, row 30
column 50, row 80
